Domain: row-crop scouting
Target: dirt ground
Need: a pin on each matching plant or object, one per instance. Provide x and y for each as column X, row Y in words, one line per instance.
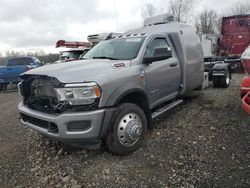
column 203, row 143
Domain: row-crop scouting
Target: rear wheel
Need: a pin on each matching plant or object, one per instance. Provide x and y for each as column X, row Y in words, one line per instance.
column 225, row 80
column 216, row 81
column 129, row 125
column 222, row 81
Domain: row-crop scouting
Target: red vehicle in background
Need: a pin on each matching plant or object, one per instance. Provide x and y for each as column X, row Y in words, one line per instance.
column 245, row 84
column 235, row 38
column 76, row 50
column 73, row 50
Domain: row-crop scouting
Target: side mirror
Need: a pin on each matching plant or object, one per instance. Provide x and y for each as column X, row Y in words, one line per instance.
column 158, row 55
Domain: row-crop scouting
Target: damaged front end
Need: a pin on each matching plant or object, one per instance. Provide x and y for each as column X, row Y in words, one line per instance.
column 39, row 93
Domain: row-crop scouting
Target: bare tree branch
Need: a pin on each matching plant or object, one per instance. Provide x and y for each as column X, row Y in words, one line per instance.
column 206, row 22
column 148, row 11
column 240, row 7
column 181, row 9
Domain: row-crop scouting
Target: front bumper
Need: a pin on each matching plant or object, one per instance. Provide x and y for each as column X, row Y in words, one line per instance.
column 62, row 121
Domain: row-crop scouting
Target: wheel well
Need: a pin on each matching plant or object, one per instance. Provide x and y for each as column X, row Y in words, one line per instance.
column 140, row 100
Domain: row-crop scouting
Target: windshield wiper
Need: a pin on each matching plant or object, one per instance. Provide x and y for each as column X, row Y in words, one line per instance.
column 104, row 57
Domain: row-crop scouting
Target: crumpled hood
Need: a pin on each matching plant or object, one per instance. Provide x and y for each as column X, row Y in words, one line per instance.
column 79, row 71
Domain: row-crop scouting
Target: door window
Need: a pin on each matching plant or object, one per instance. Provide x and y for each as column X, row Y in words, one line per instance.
column 155, row 44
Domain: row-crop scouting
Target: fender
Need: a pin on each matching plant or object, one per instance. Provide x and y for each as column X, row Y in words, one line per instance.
column 220, row 69
column 122, row 91
column 125, row 90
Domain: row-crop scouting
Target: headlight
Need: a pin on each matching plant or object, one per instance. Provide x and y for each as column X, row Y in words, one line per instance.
column 79, row 94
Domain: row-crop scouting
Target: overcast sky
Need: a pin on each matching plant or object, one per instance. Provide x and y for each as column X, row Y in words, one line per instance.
column 33, row 25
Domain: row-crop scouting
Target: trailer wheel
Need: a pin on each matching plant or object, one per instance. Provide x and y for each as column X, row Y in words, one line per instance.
column 128, row 128
column 216, row 81
column 225, row 80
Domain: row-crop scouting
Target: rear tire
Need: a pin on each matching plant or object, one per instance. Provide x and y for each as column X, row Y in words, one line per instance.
column 222, row 81
column 225, row 80
column 128, row 128
column 216, row 81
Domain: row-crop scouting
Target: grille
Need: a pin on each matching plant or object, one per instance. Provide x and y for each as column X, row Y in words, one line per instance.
column 51, row 127
column 38, row 93
column 42, row 88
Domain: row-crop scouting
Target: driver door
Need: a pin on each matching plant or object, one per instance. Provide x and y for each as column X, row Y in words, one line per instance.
column 163, row 76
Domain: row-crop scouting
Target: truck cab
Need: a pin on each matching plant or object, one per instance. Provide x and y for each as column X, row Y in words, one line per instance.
column 113, row 94
column 14, row 67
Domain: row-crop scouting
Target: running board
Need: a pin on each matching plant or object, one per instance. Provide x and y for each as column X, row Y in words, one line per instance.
column 164, row 109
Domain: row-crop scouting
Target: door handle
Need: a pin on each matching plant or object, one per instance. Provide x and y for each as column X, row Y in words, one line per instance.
column 173, row 64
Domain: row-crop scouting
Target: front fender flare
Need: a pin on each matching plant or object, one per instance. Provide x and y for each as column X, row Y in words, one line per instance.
column 122, row 91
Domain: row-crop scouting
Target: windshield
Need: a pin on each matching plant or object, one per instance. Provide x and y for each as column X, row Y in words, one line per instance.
column 19, row 61
column 117, row 49
column 70, row 55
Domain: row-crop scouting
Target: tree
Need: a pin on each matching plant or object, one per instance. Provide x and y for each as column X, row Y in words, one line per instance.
column 148, row 11
column 206, row 22
column 181, row 9
column 240, row 7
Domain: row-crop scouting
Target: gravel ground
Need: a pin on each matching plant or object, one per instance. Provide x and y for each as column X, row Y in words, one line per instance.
column 203, row 143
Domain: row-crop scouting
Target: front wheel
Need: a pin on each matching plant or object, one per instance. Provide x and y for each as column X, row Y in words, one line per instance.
column 129, row 125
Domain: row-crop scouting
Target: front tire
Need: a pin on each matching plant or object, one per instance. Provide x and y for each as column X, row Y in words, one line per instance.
column 128, row 128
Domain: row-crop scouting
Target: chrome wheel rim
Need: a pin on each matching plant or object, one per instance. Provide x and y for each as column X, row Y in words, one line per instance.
column 227, row 79
column 129, row 129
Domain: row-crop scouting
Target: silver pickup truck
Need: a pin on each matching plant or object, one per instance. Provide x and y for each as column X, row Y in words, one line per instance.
column 115, row 92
